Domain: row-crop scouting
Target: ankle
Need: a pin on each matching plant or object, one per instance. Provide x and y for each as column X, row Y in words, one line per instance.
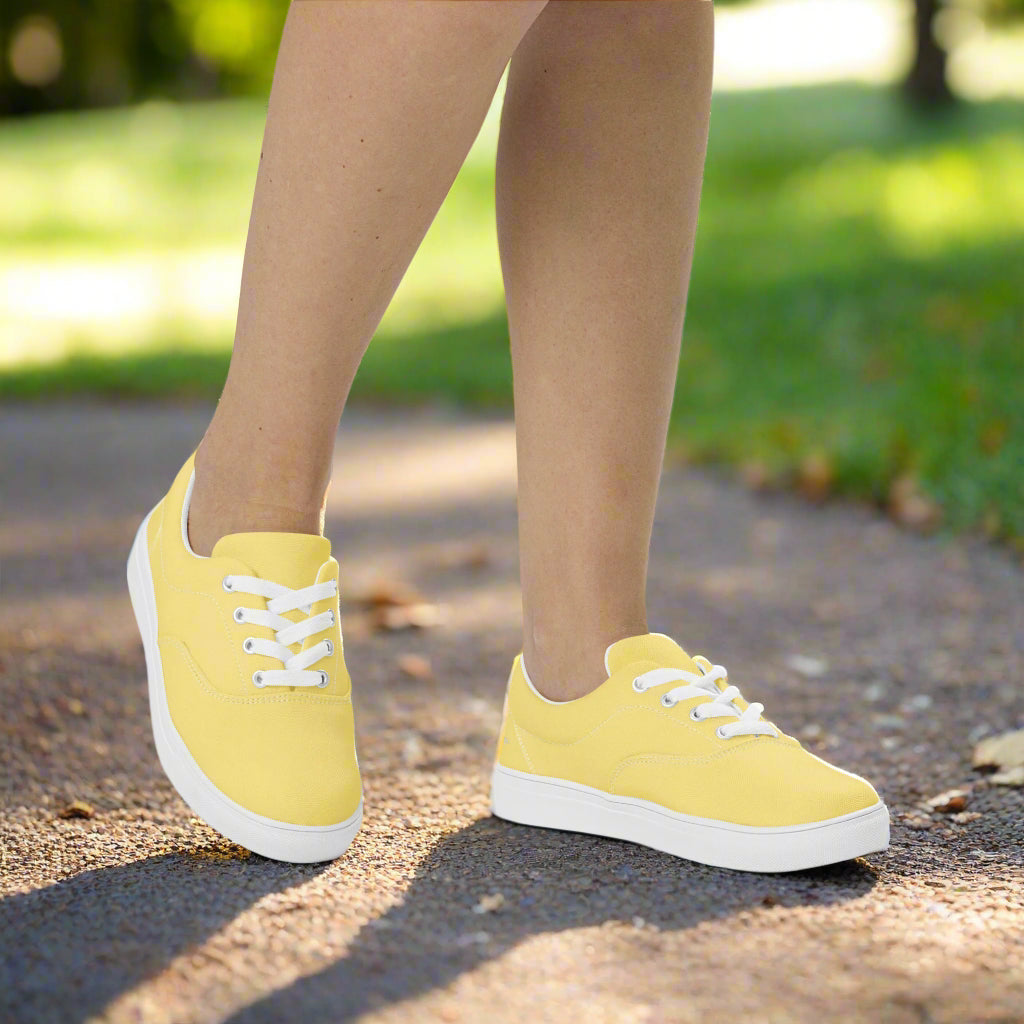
column 566, row 668
column 207, row 523
column 231, row 499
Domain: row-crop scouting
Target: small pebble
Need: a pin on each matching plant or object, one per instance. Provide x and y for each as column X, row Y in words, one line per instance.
column 489, row 904
column 807, row 666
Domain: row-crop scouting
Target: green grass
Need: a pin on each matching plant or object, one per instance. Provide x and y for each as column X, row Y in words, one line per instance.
column 858, row 292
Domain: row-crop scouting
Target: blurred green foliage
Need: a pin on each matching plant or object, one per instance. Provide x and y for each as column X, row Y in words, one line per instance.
column 119, row 51
column 856, row 297
column 70, row 54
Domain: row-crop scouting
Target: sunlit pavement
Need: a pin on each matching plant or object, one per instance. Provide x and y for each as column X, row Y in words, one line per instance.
column 888, row 653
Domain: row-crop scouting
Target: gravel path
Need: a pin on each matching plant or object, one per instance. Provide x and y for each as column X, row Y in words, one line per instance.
column 890, row 654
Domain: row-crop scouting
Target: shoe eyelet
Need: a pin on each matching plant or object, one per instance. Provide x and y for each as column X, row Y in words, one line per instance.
column 694, row 717
column 239, row 615
column 332, row 617
column 638, row 686
column 257, row 679
column 323, row 680
column 330, row 646
column 721, row 735
column 249, row 644
column 227, row 584
column 667, row 702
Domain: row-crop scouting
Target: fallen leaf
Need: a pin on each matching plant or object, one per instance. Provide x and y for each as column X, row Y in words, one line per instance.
column 917, row 823
column 390, row 594
column 1009, row 777
column 964, row 817
column 489, row 904
column 478, row 557
column 910, row 506
column 415, row 666
column 1003, row 751
column 815, row 476
column 950, row 802
column 412, row 616
column 78, row 809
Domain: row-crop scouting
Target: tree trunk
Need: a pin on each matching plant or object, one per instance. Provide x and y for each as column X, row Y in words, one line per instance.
column 925, row 84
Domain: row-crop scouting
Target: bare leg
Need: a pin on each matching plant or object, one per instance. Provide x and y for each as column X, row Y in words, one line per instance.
column 600, row 162
column 373, row 109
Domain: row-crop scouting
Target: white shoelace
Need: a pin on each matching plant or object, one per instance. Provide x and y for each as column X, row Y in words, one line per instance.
column 281, row 599
column 721, row 706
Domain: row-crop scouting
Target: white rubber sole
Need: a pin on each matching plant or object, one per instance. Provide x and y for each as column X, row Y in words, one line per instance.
column 558, row 803
column 300, row 844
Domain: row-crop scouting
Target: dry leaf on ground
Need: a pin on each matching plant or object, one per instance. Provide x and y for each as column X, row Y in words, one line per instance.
column 415, row 666
column 411, row 616
column 1004, row 752
column 951, row 802
column 1009, row 777
column 910, row 506
column 965, row 817
column 78, row 809
column 815, row 476
column 390, row 594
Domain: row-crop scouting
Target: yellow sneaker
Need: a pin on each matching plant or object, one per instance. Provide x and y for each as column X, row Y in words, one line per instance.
column 667, row 754
column 249, row 695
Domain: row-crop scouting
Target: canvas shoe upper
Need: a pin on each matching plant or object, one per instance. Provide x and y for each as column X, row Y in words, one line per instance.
column 667, row 753
column 249, row 693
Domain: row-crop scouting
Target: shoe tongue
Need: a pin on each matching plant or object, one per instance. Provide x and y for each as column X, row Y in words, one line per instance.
column 291, row 559
column 656, row 647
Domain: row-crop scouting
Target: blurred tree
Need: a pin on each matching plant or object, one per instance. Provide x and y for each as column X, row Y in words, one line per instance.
column 934, row 32
column 66, row 54
column 60, row 54
column 926, row 83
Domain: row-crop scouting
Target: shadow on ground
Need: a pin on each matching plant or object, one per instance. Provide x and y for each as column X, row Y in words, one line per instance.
column 548, row 882
column 73, row 947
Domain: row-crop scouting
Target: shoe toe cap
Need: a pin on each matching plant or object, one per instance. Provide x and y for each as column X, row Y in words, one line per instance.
column 288, row 759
